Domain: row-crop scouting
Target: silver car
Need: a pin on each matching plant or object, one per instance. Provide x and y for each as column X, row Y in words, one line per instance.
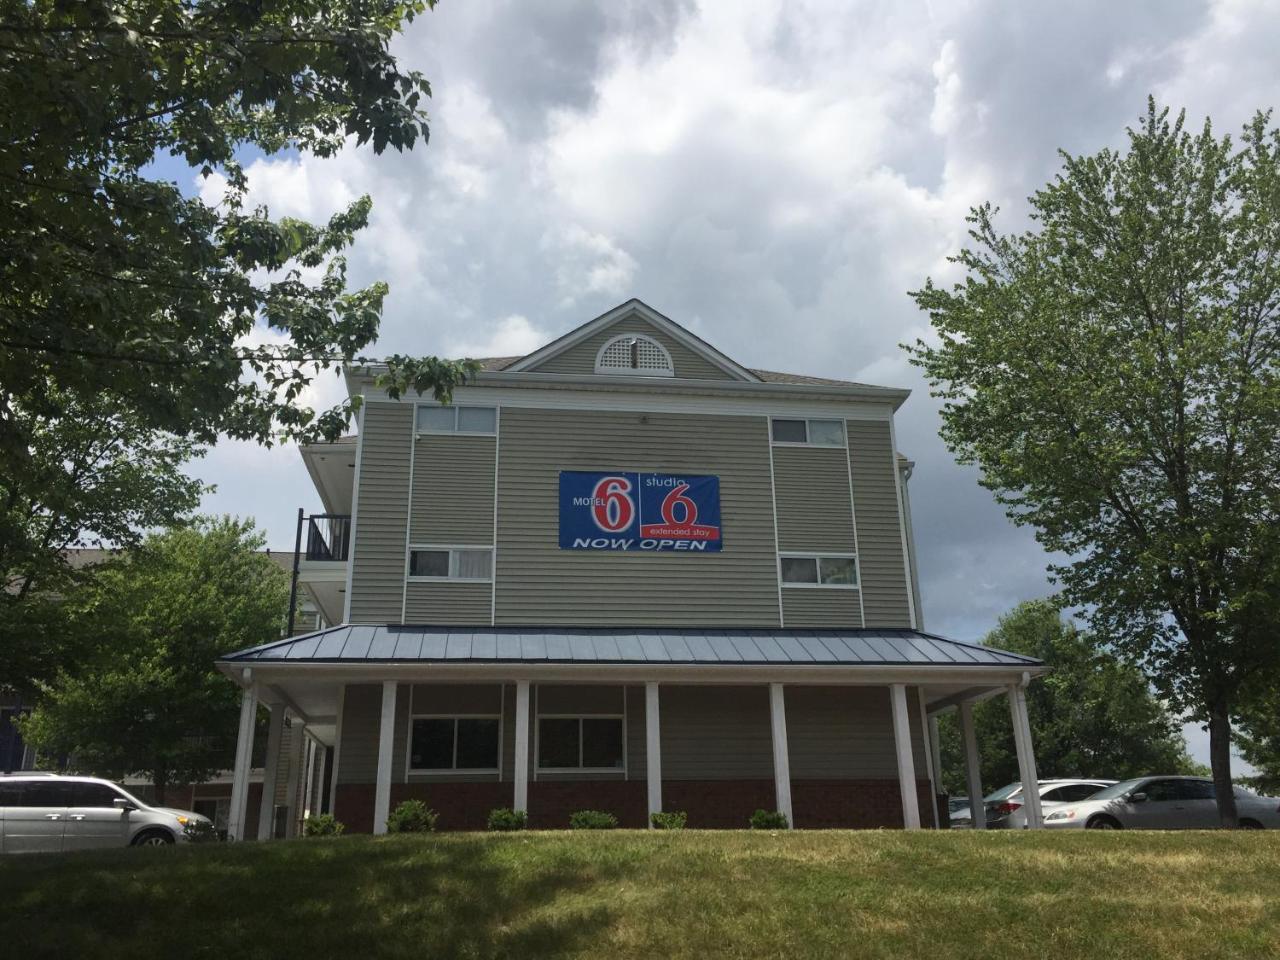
column 1162, row 803
column 48, row 814
column 1005, row 806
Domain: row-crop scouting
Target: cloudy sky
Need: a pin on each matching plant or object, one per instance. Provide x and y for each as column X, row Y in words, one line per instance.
column 773, row 175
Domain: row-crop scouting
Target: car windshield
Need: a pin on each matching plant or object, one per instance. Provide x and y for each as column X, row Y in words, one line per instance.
column 1003, row 793
column 1117, row 789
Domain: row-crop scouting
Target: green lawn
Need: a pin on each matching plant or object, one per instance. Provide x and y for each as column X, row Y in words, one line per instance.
column 1101, row 896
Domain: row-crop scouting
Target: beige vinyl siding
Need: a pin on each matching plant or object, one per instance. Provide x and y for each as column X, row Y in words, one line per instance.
column 382, row 504
column 442, row 603
column 715, row 732
column 453, row 490
column 361, row 718
column 846, row 733
column 880, row 561
column 581, row 357
column 819, row 607
column 637, row 766
column 540, row 583
column 811, row 492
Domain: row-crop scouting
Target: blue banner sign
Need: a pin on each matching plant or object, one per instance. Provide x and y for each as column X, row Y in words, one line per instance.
column 639, row 511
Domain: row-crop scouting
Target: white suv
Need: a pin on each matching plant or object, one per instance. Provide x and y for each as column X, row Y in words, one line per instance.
column 47, row 814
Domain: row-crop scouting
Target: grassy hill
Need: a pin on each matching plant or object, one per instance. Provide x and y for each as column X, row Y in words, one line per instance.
column 693, row 894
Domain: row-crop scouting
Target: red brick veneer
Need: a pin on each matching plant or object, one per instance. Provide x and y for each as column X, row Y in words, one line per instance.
column 710, row 804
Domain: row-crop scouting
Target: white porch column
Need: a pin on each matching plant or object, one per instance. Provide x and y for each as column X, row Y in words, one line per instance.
column 270, row 771
column 298, row 744
column 932, row 762
column 653, row 748
column 386, row 737
column 1026, row 756
column 520, row 799
column 244, row 758
column 781, row 759
column 972, row 767
column 906, row 759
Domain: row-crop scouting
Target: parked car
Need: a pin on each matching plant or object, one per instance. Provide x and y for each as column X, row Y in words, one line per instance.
column 44, row 813
column 1163, row 803
column 1004, row 807
column 959, row 813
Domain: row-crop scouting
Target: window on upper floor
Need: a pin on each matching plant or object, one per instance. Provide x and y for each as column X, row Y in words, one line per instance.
column 451, row 563
column 818, row 570
column 479, row 420
column 636, row 355
column 810, row 432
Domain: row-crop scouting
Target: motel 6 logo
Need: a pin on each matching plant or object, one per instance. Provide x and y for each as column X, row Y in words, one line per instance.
column 639, row 511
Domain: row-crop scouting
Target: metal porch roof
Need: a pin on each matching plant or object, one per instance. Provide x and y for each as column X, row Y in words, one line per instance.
column 396, row 643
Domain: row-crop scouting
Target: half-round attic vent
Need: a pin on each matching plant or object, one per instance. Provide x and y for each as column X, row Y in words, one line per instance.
column 636, row 355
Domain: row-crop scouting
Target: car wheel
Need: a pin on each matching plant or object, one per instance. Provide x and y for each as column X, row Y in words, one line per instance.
column 153, row 838
column 1103, row 823
column 1250, row 825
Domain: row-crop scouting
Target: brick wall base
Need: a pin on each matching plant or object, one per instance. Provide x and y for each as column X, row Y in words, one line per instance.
column 710, row 804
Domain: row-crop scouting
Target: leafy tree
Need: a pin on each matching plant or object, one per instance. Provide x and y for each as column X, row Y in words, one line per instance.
column 1093, row 715
column 1259, row 740
column 1115, row 373
column 147, row 700
column 186, row 320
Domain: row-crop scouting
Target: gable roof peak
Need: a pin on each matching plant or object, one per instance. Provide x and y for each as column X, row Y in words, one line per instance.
column 634, row 307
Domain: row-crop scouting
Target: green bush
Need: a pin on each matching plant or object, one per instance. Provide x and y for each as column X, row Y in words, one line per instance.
column 412, row 816
column 592, row 820
column 504, row 818
column 768, row 820
column 669, row 820
column 322, row 825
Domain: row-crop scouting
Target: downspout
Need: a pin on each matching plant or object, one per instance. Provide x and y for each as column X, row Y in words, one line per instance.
column 905, row 471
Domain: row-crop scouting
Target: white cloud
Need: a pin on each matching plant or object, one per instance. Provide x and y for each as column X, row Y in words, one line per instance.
column 514, row 336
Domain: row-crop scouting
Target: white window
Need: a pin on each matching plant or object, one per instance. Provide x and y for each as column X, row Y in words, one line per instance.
column 442, row 743
column 634, row 354
column 818, row 570
column 810, row 432
column 482, row 420
column 580, row 743
column 451, row 563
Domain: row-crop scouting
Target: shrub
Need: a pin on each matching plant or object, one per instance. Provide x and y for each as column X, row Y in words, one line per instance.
column 768, row 820
column 412, row 816
column 322, row 825
column 504, row 818
column 592, row 820
column 669, row 820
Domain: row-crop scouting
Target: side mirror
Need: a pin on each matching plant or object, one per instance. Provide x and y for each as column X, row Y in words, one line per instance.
column 1137, row 797
column 120, row 803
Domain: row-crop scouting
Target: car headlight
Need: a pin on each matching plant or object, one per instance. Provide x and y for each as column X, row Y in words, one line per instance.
column 183, row 820
column 1061, row 815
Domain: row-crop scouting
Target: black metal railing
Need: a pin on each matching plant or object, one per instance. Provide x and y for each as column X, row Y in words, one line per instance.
column 328, row 537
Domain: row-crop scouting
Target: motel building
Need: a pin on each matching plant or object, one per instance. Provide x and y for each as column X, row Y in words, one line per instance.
column 621, row 573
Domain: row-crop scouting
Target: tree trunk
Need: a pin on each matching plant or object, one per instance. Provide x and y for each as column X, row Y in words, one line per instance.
column 1220, row 763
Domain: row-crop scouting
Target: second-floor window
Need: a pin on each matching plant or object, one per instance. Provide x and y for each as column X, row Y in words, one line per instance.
column 482, row 420
column 818, row 570
column 451, row 563
column 810, row 433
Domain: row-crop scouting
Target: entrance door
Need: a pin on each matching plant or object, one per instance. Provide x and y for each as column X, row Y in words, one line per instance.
column 93, row 820
column 34, row 824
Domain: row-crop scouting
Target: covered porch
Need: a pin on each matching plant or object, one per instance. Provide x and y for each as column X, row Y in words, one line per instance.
column 834, row 728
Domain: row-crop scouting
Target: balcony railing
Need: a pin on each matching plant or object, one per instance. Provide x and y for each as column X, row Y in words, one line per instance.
column 328, row 537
